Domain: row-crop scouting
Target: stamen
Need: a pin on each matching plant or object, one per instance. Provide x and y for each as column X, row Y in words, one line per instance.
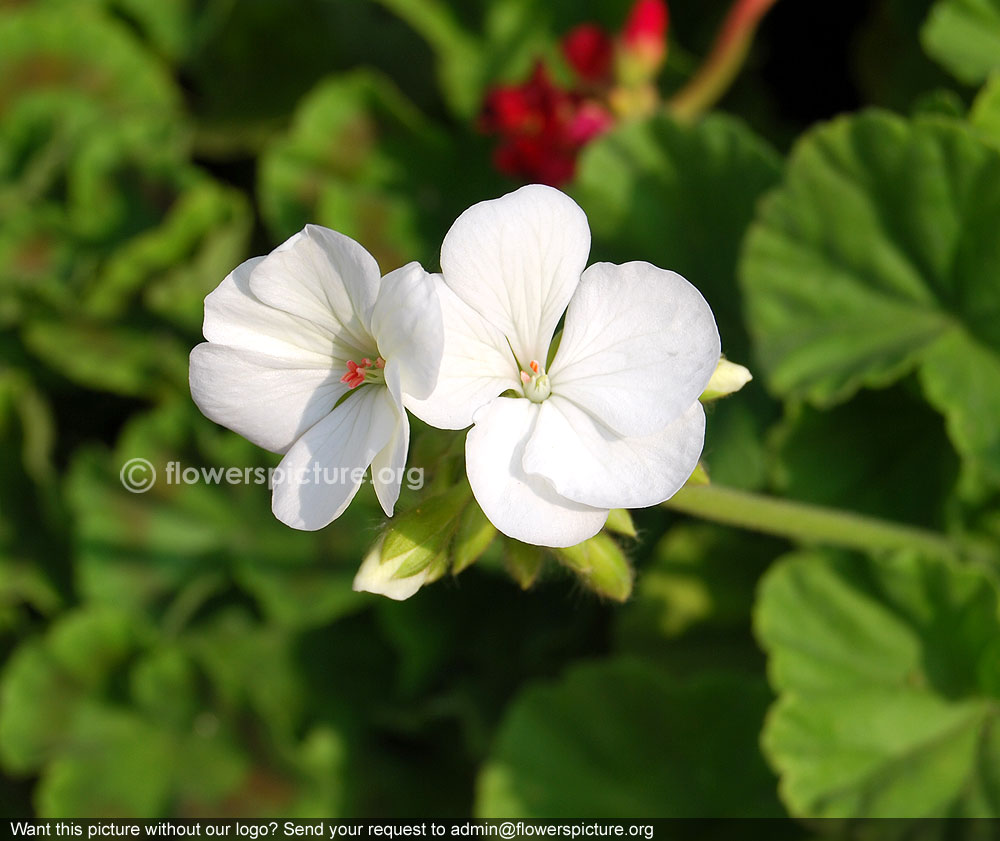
column 367, row 371
column 525, row 377
column 533, row 365
column 353, row 378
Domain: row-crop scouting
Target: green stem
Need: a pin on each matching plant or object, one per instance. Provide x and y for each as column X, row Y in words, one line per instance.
column 800, row 521
column 724, row 62
column 459, row 54
column 183, row 608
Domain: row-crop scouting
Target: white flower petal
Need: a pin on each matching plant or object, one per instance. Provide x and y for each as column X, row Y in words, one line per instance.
column 376, row 577
column 323, row 277
column 267, row 400
column 476, row 366
column 522, row 506
column 322, row 471
column 234, row 316
column 392, row 457
column 388, row 467
column 587, row 462
column 407, row 324
column 639, row 346
column 516, row 260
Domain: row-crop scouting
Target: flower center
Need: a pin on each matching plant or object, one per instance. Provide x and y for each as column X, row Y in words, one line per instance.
column 536, row 384
column 364, row 372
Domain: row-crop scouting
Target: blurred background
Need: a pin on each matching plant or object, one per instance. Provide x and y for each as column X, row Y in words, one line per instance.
column 180, row 653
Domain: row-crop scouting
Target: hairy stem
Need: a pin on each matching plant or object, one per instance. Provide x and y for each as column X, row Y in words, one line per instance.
column 724, row 61
column 807, row 523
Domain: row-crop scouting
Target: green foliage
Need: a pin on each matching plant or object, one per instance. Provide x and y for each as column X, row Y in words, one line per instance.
column 184, row 541
column 964, row 35
column 113, row 716
column 893, row 457
column 181, row 653
column 505, row 39
column 356, row 155
column 873, row 259
column 985, row 114
column 360, row 158
column 173, row 28
column 85, row 56
column 29, row 506
column 112, row 222
column 621, row 739
column 888, row 687
column 698, row 575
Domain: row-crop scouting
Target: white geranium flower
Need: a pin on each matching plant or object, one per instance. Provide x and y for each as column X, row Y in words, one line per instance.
column 312, row 354
column 614, row 421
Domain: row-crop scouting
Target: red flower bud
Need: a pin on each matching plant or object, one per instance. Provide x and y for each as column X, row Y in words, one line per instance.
column 645, row 32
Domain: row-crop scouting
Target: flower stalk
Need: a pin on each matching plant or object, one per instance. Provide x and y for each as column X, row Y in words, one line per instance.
column 807, row 523
column 731, row 47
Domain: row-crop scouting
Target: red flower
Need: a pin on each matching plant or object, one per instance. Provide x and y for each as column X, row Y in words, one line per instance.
column 506, row 109
column 590, row 52
column 645, row 32
column 523, row 109
column 541, row 127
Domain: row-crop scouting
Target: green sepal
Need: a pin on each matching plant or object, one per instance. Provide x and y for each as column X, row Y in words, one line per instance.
column 437, row 567
column 601, row 565
column 524, row 562
column 474, row 536
column 423, row 533
column 620, row 522
column 699, row 476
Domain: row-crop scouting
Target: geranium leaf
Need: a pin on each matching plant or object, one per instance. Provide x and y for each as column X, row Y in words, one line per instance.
column 879, row 255
column 964, row 36
column 623, row 739
column 887, row 699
